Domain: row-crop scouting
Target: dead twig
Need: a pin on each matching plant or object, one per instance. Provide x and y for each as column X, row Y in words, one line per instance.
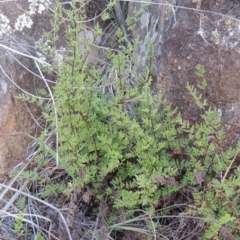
column 228, row 169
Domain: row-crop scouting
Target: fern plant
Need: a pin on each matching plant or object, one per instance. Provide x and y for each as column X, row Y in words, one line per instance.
column 132, row 150
column 19, row 223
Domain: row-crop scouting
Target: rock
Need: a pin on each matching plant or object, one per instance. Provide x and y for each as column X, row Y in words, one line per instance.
column 153, row 22
column 212, row 41
column 20, row 30
column 17, row 117
column 186, row 37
